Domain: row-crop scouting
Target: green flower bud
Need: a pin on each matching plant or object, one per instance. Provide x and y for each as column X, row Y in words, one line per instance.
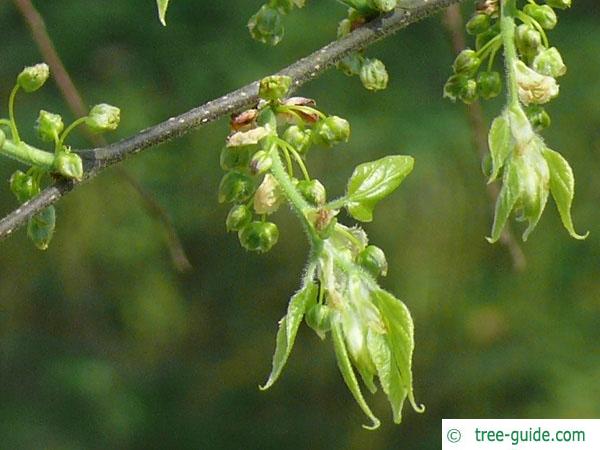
column 260, row 162
column 454, row 86
column 489, row 84
column 373, row 75
column 33, row 77
column 274, row 87
column 331, row 131
column 103, row 117
column 239, row 216
column 543, row 14
column 236, row 187
column 49, row 126
column 383, row 5
column 469, row 92
column 549, row 62
column 467, row 62
column 538, row 117
column 485, row 37
column 267, row 119
column 351, row 64
column 344, row 28
column 236, row 157
column 40, row 228
column 69, row 165
column 24, row 186
column 560, row 4
column 265, row 26
column 478, row 24
column 373, row 260
column 528, row 40
column 318, row 317
column 487, row 167
column 298, row 138
column 313, row 191
column 259, row 236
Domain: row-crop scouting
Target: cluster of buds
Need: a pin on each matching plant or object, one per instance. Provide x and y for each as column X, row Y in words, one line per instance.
column 62, row 162
column 266, row 25
column 278, row 124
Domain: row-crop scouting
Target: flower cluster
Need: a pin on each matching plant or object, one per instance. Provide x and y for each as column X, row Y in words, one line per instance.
column 372, row 331
column 45, row 165
column 530, row 170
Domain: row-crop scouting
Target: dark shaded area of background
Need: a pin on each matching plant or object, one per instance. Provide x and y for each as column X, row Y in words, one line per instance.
column 104, row 345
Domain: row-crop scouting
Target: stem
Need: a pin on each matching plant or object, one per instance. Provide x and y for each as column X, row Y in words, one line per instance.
column 68, row 131
column 534, row 23
column 11, row 114
column 296, row 156
column 27, row 154
column 507, row 28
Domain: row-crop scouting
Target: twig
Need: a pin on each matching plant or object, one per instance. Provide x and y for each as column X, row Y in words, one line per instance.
column 301, row 72
column 454, row 23
column 71, row 94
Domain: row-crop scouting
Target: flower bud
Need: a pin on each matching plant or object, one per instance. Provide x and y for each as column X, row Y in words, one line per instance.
column 489, row 7
column 373, row 260
column 351, row 64
column 383, row 5
column 313, row 191
column 235, row 187
column 538, row 117
column 454, row 85
column 534, row 87
column 528, row 40
column 260, row 162
column 331, row 131
column 268, row 197
column 469, row 93
column 265, row 26
column 259, row 236
column 318, row 317
column 344, row 28
column 373, row 75
column 103, row 117
column 49, row 126
column 69, row 165
column 543, row 14
column 467, row 62
column 236, row 157
column 40, row 227
column 489, row 84
column 478, row 24
column 300, row 139
column 485, row 37
column 239, row 216
column 549, row 62
column 33, row 77
column 274, row 87
column 560, row 4
column 24, row 186
column 250, row 137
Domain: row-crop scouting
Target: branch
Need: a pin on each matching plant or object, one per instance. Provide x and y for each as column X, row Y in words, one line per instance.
column 302, row 71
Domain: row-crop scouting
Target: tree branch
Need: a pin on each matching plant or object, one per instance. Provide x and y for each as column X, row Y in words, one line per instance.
column 302, row 71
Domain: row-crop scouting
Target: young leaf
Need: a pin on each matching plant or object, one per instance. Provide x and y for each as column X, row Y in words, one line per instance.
column 562, row 187
column 501, row 144
column 348, row 374
column 162, row 10
column 372, row 181
column 400, row 341
column 288, row 328
column 509, row 194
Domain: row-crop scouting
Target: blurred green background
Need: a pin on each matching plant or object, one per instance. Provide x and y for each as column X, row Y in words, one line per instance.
column 103, row 344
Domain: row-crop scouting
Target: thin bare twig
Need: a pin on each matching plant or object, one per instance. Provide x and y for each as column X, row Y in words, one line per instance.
column 74, row 100
column 454, row 23
column 301, row 72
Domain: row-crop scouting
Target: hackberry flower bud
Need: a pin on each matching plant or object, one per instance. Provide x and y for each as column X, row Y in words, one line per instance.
column 478, row 24
column 549, row 62
column 538, row 117
column 268, row 197
column 236, row 157
column 33, row 77
column 68, row 164
column 259, row 236
column 103, row 117
column 332, row 130
column 373, row 75
column 544, row 15
column 469, row 93
column 351, row 64
column 260, row 162
column 274, row 87
column 467, row 62
column 528, row 40
column 236, row 187
column 24, row 186
column 489, row 84
column 313, row 191
column 373, row 260
column 383, row 5
column 298, row 138
column 239, row 216
column 49, row 126
column 318, row 317
column 265, row 26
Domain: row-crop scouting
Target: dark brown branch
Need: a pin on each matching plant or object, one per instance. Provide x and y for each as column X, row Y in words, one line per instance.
column 302, row 71
column 454, row 22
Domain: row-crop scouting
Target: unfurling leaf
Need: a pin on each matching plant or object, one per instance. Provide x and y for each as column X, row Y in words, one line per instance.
column 372, row 181
column 562, row 187
column 162, row 10
column 501, row 144
column 509, row 194
column 288, row 328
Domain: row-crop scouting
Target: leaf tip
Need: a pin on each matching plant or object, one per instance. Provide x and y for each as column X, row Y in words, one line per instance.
column 376, row 424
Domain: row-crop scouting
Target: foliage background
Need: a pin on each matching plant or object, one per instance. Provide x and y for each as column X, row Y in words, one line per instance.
column 104, row 345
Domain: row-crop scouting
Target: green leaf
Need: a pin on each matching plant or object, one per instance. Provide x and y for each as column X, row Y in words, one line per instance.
column 400, row 341
column 562, row 187
column 372, row 181
column 162, row 10
column 501, row 144
column 348, row 374
column 288, row 328
column 509, row 194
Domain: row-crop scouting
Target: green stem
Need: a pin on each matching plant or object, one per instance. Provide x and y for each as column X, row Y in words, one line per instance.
column 68, row 131
column 11, row 114
column 297, row 202
column 27, row 154
column 507, row 28
column 296, row 156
